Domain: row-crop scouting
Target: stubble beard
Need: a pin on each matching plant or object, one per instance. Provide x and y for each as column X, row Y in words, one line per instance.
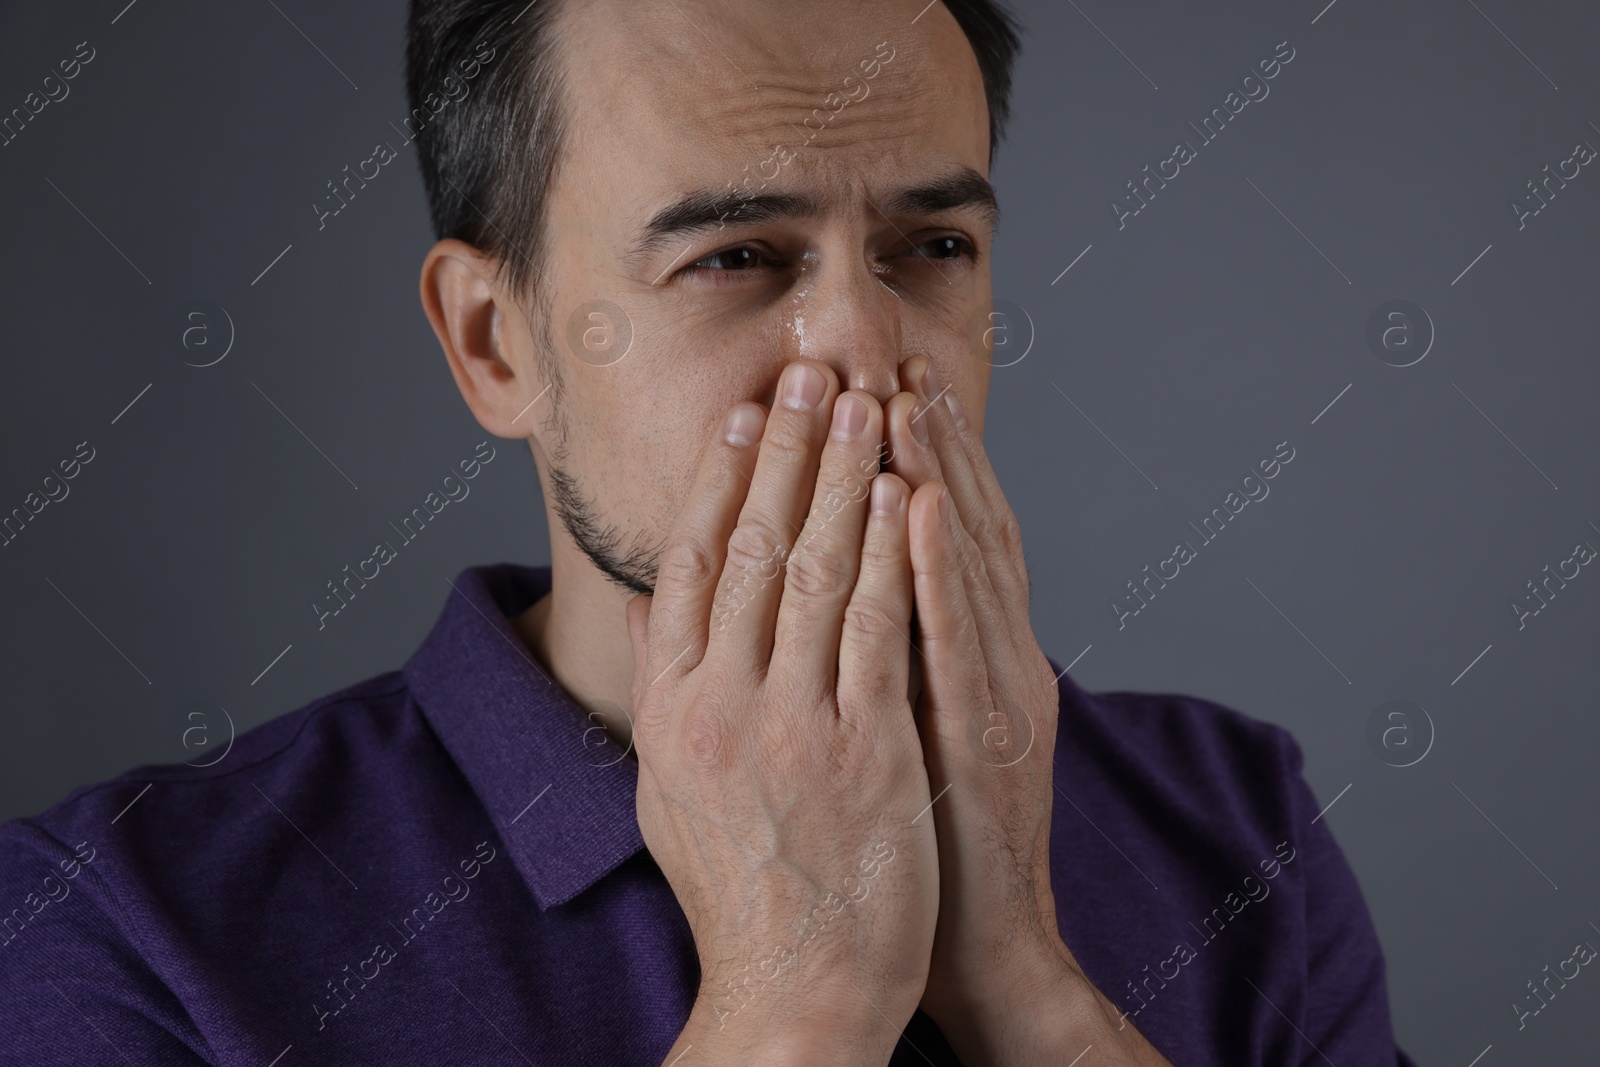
column 627, row 559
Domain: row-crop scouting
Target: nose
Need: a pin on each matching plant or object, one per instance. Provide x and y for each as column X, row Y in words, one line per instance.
column 851, row 321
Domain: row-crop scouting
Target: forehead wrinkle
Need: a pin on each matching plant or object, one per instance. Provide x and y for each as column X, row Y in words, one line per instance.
column 885, row 129
column 694, row 64
column 666, row 112
column 822, row 172
column 746, row 123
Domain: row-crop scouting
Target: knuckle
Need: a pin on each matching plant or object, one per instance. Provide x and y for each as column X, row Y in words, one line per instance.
column 722, row 472
column 789, row 436
column 685, row 563
column 650, row 723
column 957, row 628
column 997, row 535
column 705, row 738
column 832, row 502
column 864, row 619
column 1010, row 535
column 974, row 571
column 879, row 553
column 755, row 546
column 986, row 528
column 817, row 573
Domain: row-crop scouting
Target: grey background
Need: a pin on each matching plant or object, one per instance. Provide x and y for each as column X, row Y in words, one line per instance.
column 1222, row 320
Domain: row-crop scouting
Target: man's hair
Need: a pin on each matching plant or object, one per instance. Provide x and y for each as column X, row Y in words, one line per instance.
column 488, row 157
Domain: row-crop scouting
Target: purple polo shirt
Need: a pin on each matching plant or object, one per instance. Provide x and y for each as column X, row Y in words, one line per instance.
column 442, row 865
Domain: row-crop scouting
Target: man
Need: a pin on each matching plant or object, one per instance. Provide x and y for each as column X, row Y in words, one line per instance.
column 768, row 766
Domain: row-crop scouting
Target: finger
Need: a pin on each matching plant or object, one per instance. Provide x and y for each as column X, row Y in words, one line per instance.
column 821, row 570
column 875, row 645
column 916, row 460
column 982, row 507
column 637, row 614
column 688, row 569
column 910, row 449
column 957, row 679
column 772, row 515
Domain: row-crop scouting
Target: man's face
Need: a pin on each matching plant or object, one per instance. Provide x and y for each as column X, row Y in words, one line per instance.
column 833, row 157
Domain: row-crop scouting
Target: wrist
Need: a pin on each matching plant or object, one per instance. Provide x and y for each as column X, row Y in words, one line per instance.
column 793, row 1029
column 1041, row 1002
column 806, row 1047
column 1031, row 974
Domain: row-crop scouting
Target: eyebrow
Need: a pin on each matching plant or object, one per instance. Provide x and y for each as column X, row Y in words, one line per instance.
column 966, row 188
column 695, row 213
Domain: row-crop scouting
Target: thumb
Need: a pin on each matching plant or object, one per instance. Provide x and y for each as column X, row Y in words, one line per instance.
column 638, row 613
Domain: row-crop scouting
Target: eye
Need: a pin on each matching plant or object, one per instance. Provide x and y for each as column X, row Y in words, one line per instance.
column 742, row 258
column 946, row 247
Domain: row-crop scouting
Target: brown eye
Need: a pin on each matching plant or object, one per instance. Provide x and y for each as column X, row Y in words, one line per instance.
column 945, row 248
column 734, row 259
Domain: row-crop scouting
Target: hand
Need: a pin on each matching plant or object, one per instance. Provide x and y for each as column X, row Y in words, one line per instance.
column 780, row 767
column 1002, row 984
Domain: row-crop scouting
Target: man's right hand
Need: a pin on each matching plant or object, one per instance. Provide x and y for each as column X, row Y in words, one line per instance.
column 781, row 788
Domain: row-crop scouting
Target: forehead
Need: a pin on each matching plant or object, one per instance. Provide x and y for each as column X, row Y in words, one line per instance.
column 679, row 95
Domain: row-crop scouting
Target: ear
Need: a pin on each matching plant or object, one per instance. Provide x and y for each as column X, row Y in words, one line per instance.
column 485, row 337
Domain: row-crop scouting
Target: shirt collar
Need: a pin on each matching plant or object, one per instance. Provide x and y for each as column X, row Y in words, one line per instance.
column 560, row 789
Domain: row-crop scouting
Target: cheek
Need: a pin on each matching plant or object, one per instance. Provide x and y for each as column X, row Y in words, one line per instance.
column 639, row 429
column 701, row 360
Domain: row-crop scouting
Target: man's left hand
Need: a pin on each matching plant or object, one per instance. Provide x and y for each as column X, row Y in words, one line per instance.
column 1003, row 986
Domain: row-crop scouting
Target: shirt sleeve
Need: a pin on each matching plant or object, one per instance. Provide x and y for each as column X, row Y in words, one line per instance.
column 1346, row 1010
column 75, row 989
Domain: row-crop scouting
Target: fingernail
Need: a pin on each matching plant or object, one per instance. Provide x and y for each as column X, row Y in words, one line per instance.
column 954, row 405
column 930, row 381
column 919, row 426
column 743, row 426
column 885, row 496
column 944, row 503
column 849, row 416
column 802, row 387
